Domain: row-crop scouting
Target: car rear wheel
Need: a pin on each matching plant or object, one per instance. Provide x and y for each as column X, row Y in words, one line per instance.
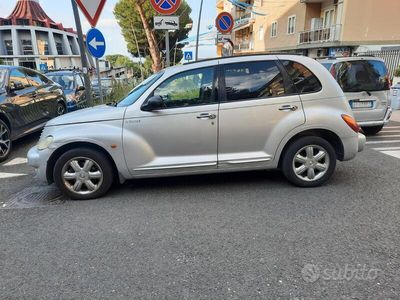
column 372, row 130
column 5, row 141
column 309, row 162
column 61, row 109
column 83, row 174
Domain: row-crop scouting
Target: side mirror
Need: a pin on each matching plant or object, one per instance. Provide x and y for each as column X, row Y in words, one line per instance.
column 80, row 88
column 154, row 103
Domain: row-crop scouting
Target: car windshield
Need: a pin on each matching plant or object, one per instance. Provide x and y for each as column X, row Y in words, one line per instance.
column 66, row 81
column 138, row 91
column 362, row 75
column 3, row 74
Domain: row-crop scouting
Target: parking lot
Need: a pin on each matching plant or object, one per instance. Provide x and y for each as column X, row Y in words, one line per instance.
column 245, row 235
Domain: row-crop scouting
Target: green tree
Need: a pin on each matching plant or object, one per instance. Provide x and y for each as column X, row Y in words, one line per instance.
column 135, row 17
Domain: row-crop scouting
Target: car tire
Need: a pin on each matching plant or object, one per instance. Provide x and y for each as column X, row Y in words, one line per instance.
column 309, row 162
column 5, row 141
column 372, row 130
column 83, row 174
column 61, row 109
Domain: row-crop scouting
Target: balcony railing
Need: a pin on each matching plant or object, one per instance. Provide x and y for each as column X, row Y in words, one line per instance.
column 243, row 20
column 322, row 35
column 243, row 46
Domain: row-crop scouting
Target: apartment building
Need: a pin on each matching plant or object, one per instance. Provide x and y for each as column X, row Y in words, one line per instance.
column 314, row 27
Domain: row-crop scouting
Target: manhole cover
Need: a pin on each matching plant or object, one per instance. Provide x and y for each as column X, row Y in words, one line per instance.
column 37, row 196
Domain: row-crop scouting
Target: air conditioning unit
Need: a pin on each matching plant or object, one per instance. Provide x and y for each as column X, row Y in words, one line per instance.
column 316, row 23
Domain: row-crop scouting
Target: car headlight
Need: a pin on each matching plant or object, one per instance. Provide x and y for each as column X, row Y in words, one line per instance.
column 44, row 143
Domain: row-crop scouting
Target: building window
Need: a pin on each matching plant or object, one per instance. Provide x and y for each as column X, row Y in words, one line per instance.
column 291, row 25
column 9, row 47
column 274, row 29
column 39, row 24
column 7, row 22
column 261, row 33
column 60, row 49
column 27, row 48
column 43, row 47
column 24, row 22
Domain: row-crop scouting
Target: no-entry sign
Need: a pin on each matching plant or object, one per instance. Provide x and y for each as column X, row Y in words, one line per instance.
column 224, row 22
column 166, row 7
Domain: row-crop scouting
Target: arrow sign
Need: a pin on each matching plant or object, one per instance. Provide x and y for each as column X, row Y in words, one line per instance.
column 91, row 9
column 96, row 43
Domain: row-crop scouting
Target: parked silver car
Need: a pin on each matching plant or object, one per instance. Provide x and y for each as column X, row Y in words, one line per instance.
column 366, row 84
column 222, row 115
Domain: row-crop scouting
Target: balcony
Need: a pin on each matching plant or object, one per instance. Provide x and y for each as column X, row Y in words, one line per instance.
column 244, row 21
column 322, row 35
column 243, row 46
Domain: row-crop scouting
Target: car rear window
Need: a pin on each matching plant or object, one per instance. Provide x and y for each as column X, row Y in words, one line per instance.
column 362, row 75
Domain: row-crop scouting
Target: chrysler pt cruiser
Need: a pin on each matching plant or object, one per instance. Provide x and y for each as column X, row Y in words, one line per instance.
column 221, row 115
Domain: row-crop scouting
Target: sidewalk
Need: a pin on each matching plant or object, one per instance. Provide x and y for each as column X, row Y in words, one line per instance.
column 395, row 116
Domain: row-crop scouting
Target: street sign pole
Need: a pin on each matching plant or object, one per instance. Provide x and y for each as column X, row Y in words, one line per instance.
column 167, row 57
column 99, row 80
column 198, row 31
column 83, row 52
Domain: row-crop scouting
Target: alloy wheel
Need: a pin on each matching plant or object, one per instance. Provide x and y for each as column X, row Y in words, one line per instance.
column 5, row 141
column 311, row 163
column 60, row 109
column 82, row 176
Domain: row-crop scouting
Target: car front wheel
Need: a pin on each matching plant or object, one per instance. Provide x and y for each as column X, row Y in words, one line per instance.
column 5, row 141
column 83, row 174
column 61, row 109
column 309, row 162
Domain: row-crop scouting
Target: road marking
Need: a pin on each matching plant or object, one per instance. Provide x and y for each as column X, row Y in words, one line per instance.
column 382, row 142
column 16, row 161
column 392, row 153
column 11, row 175
column 385, row 136
column 390, row 131
column 386, row 148
column 391, row 127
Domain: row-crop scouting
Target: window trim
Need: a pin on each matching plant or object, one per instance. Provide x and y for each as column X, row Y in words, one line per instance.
column 287, row 82
column 276, row 29
column 215, row 89
column 294, row 25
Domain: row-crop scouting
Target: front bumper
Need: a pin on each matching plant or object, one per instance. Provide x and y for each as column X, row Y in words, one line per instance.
column 385, row 121
column 38, row 160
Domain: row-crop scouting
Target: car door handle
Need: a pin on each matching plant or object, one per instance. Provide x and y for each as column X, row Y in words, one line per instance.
column 206, row 116
column 288, row 108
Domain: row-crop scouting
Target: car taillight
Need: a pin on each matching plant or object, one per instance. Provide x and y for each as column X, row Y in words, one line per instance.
column 351, row 122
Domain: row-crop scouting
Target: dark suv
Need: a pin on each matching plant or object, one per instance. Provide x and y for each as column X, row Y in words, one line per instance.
column 28, row 100
column 73, row 84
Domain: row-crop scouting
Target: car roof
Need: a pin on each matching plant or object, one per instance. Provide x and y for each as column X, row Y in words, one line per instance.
column 61, row 72
column 333, row 60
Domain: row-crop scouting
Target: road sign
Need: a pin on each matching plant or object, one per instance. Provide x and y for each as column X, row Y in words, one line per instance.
column 166, row 7
column 188, row 55
column 223, row 38
column 166, row 22
column 91, row 9
column 224, row 22
column 96, row 43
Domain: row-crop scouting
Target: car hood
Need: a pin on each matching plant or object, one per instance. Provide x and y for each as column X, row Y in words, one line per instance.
column 88, row 115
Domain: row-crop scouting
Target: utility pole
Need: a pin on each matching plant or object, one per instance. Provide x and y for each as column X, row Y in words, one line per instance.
column 82, row 50
column 168, row 58
column 198, row 31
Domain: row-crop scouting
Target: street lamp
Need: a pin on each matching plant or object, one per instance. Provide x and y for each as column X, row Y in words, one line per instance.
column 198, row 31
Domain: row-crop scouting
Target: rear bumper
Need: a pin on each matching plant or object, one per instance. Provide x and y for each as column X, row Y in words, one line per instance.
column 353, row 145
column 385, row 121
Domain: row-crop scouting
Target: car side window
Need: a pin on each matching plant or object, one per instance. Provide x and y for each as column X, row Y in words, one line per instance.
column 44, row 79
column 79, row 81
column 33, row 78
column 191, row 88
column 303, row 79
column 253, row 80
column 18, row 79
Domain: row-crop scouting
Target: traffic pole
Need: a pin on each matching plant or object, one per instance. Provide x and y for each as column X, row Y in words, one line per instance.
column 168, row 58
column 198, row 31
column 99, row 80
column 85, row 65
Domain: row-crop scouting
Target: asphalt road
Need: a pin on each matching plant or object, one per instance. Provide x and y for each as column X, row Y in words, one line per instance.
column 230, row 236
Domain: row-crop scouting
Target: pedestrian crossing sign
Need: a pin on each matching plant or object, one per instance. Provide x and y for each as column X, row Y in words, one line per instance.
column 188, row 55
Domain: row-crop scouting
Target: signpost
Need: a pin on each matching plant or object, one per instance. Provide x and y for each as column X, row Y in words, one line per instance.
column 188, row 55
column 223, row 38
column 224, row 23
column 96, row 45
column 91, row 9
column 166, row 22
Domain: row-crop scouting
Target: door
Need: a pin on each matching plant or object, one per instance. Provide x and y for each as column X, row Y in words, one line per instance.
column 259, row 108
column 22, row 99
column 181, row 137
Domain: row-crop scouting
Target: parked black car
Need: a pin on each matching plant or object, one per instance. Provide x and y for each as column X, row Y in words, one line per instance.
column 28, row 100
column 73, row 84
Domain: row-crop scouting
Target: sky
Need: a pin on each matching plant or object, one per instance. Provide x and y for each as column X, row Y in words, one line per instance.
column 61, row 11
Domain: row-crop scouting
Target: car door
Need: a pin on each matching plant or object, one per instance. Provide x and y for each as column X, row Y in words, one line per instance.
column 181, row 137
column 259, row 107
column 22, row 100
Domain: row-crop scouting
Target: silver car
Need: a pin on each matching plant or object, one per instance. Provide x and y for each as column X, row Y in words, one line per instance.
column 366, row 84
column 221, row 115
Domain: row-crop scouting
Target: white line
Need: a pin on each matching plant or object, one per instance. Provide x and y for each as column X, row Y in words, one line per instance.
column 383, row 142
column 390, row 131
column 16, row 161
column 391, row 127
column 385, row 136
column 386, row 148
column 392, row 153
column 11, row 175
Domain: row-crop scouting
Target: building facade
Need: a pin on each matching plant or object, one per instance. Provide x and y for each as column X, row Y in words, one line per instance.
column 30, row 38
column 314, row 27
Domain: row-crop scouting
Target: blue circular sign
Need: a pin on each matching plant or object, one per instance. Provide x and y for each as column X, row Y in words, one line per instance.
column 224, row 22
column 96, row 43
